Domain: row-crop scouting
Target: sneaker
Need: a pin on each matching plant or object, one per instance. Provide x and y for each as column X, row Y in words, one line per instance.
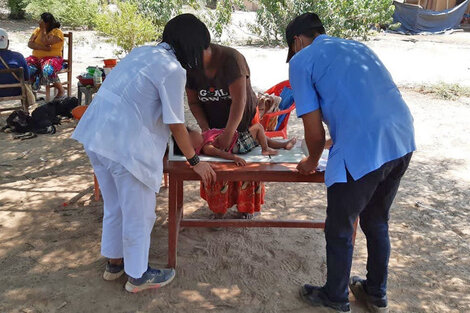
column 374, row 304
column 113, row 272
column 151, row 279
column 315, row 296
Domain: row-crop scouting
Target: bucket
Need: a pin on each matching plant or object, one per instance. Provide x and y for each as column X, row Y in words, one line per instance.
column 78, row 111
column 110, row 63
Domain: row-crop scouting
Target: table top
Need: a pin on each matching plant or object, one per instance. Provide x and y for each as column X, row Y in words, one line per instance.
column 265, row 172
column 93, row 88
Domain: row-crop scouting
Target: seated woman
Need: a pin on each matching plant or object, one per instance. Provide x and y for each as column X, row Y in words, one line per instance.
column 242, row 143
column 47, row 42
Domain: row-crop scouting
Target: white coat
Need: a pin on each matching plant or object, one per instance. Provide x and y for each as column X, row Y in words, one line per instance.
column 127, row 121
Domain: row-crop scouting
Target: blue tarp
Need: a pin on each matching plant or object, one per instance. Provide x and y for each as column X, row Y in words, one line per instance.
column 415, row 20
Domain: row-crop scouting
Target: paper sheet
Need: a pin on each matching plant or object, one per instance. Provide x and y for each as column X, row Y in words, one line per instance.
column 294, row 155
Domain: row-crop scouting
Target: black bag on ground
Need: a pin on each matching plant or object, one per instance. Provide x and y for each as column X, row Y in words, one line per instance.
column 40, row 123
column 47, row 115
column 43, row 118
column 19, row 122
column 65, row 106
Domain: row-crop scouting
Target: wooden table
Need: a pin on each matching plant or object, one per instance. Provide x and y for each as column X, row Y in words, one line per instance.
column 262, row 172
column 89, row 91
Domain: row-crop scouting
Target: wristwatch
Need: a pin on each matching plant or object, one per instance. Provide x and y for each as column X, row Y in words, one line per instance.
column 194, row 160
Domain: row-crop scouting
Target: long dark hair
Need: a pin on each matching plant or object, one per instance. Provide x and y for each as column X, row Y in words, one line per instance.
column 188, row 37
column 50, row 21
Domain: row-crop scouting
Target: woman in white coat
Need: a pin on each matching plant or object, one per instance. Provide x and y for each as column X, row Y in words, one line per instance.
column 125, row 131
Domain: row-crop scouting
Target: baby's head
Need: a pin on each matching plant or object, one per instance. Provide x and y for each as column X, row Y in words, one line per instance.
column 196, row 138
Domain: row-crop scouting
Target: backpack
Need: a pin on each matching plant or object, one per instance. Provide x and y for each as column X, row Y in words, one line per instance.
column 19, row 122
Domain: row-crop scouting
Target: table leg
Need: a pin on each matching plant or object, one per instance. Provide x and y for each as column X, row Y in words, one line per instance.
column 96, row 188
column 173, row 221
column 179, row 196
column 165, row 180
column 79, row 96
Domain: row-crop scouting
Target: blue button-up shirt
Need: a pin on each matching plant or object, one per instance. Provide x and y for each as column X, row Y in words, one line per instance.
column 369, row 122
column 13, row 60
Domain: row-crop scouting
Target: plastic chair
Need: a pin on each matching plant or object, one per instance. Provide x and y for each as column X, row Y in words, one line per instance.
column 282, row 129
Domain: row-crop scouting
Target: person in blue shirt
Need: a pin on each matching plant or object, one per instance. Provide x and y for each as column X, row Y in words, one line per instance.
column 345, row 85
column 13, row 60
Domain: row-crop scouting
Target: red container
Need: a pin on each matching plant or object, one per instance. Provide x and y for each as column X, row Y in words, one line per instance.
column 110, row 62
column 85, row 81
column 78, row 111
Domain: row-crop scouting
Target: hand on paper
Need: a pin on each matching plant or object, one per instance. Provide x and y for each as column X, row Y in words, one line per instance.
column 307, row 166
column 239, row 161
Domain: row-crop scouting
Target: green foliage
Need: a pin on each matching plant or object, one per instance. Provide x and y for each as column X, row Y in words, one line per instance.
column 74, row 13
column 127, row 27
column 342, row 18
column 16, row 9
column 159, row 11
column 220, row 18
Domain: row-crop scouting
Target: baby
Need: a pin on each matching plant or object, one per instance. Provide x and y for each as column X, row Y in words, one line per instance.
column 242, row 142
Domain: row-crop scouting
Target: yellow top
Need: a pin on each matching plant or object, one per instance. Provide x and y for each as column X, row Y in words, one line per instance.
column 56, row 49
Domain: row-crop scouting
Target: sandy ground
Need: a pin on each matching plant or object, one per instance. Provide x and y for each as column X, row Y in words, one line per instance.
column 50, row 227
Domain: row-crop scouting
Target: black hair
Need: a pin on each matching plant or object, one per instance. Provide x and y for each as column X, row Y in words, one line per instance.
column 50, row 20
column 188, row 37
column 312, row 32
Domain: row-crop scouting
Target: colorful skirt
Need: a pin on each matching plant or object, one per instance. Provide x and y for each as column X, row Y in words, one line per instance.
column 248, row 196
column 44, row 70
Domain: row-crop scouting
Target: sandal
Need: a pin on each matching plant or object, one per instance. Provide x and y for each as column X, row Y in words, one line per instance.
column 25, row 136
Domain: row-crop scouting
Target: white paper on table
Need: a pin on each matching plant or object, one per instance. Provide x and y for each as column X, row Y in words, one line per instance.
column 297, row 153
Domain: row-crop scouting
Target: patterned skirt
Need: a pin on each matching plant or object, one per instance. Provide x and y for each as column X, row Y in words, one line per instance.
column 248, row 196
column 45, row 69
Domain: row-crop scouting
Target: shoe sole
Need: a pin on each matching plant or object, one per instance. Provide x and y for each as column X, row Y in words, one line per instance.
column 134, row 289
column 361, row 296
column 112, row 276
column 321, row 308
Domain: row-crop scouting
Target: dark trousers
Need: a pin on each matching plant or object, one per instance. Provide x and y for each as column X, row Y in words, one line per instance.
column 370, row 199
